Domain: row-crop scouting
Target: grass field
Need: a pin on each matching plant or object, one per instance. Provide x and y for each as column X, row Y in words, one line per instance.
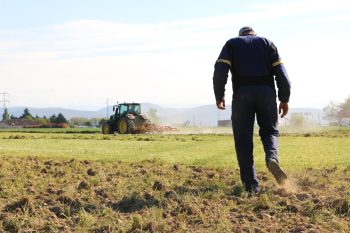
column 296, row 151
column 54, row 181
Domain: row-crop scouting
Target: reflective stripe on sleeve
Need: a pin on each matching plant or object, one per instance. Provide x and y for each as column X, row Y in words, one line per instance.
column 277, row 63
column 224, row 61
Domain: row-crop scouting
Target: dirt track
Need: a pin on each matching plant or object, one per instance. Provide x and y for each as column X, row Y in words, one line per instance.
column 75, row 196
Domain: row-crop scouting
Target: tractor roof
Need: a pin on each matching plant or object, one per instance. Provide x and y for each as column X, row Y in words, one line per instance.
column 129, row 103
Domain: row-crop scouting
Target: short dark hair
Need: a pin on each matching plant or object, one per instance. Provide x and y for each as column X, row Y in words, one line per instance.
column 246, row 30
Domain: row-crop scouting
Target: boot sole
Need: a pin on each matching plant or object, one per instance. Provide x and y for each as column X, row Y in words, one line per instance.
column 277, row 172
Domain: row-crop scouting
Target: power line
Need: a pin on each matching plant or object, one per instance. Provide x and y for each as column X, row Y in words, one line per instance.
column 4, row 100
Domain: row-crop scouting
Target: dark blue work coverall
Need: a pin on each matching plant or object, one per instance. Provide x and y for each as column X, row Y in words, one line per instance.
column 255, row 65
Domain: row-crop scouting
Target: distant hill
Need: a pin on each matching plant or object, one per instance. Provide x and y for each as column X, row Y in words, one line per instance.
column 205, row 115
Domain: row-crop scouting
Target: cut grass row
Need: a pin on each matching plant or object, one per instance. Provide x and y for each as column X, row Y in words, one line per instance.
column 88, row 130
column 296, row 131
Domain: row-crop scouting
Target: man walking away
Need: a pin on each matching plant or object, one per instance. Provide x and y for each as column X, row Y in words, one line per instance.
column 255, row 65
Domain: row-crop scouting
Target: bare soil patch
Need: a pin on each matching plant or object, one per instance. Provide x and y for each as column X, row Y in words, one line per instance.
column 91, row 196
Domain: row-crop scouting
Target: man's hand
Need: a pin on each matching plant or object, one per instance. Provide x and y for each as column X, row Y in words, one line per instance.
column 220, row 104
column 283, row 108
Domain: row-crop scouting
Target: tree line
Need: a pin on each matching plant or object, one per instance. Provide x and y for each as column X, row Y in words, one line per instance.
column 59, row 119
column 28, row 116
column 335, row 112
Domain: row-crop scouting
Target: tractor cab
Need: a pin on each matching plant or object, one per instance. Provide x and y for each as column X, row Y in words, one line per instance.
column 127, row 108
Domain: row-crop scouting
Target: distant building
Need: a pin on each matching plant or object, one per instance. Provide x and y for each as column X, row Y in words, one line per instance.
column 3, row 125
column 224, row 123
column 345, row 121
column 19, row 123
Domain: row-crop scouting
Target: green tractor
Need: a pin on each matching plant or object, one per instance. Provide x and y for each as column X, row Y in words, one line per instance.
column 127, row 119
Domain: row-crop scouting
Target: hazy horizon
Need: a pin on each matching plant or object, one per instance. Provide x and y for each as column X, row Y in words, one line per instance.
column 170, row 106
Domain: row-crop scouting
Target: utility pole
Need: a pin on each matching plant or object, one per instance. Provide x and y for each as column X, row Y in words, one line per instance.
column 194, row 123
column 107, row 108
column 4, row 100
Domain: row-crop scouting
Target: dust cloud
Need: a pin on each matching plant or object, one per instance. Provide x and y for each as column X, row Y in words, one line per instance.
column 290, row 186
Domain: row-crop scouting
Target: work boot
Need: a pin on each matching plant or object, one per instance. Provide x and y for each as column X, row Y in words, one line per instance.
column 252, row 189
column 277, row 172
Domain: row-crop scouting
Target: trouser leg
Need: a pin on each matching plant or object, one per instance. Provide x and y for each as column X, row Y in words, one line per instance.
column 243, row 117
column 267, row 120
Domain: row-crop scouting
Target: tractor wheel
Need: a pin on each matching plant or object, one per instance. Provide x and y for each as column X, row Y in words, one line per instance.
column 126, row 126
column 142, row 121
column 107, row 128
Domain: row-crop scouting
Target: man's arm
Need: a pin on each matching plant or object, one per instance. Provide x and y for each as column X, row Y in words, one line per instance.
column 283, row 83
column 222, row 67
column 282, row 80
column 219, row 83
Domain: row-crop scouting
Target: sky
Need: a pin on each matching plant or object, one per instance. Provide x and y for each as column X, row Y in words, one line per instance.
column 78, row 54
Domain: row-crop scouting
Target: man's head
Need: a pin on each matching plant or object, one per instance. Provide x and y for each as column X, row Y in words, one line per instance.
column 246, row 31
